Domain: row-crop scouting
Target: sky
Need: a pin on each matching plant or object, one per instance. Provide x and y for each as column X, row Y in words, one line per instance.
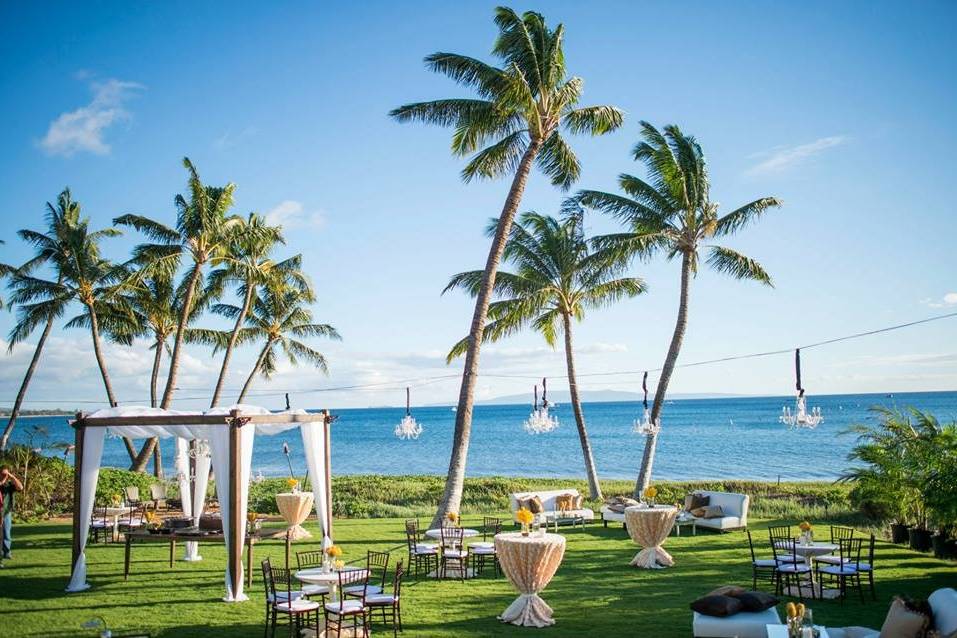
column 845, row 111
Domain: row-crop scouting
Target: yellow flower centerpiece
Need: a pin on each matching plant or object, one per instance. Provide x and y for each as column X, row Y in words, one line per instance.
column 807, row 533
column 453, row 519
column 334, row 551
column 795, row 619
column 332, row 555
column 650, row 493
column 116, row 499
column 525, row 517
column 292, row 484
column 340, row 564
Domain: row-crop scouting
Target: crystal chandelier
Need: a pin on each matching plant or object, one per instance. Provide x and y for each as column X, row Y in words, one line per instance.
column 645, row 425
column 800, row 418
column 200, row 448
column 408, row 428
column 540, row 421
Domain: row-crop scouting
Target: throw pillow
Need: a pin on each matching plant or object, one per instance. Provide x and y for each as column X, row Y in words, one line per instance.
column 727, row 590
column 699, row 512
column 697, row 500
column 757, row 600
column 720, row 606
column 578, row 499
column 713, row 511
column 901, row 622
column 535, row 505
column 564, row 502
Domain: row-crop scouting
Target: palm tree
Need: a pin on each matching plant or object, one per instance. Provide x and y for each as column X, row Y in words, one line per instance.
column 513, row 123
column 558, row 278
column 248, row 263
column 203, row 232
column 672, row 212
column 278, row 319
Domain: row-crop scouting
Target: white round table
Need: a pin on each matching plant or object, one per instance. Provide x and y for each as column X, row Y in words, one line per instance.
column 807, row 552
column 115, row 513
column 318, row 576
column 466, row 533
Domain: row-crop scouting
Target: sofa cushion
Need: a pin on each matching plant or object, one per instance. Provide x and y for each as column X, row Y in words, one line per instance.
column 944, row 603
column 720, row 606
column 699, row 512
column 695, row 500
column 901, row 622
column 577, row 501
column 713, row 511
column 741, row 625
column 757, row 600
column 564, row 502
column 532, row 504
column 727, row 590
column 725, row 522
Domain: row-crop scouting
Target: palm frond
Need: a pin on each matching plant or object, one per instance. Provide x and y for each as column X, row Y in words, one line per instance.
column 739, row 266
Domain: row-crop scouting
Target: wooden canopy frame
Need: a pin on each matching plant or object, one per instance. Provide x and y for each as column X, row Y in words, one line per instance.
column 234, row 421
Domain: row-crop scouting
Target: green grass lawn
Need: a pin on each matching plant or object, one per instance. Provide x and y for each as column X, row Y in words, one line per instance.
column 594, row 592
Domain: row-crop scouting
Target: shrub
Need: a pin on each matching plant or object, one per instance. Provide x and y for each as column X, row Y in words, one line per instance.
column 113, row 481
column 47, row 483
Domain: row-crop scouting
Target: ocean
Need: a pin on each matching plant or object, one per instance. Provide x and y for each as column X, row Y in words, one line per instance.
column 700, row 439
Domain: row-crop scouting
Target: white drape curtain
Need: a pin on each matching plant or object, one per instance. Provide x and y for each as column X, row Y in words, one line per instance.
column 219, row 443
column 92, row 453
column 314, row 445
column 198, row 501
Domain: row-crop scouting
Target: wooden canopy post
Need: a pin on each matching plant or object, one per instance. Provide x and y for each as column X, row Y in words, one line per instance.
column 327, row 434
column 235, row 549
column 79, row 432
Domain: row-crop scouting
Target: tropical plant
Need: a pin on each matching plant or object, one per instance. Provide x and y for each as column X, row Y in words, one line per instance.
column 906, row 467
column 248, row 264
column 512, row 124
column 71, row 252
column 203, row 232
column 557, row 278
column 672, row 211
column 278, row 319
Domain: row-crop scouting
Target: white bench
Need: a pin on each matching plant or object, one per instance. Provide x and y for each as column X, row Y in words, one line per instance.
column 744, row 624
column 548, row 504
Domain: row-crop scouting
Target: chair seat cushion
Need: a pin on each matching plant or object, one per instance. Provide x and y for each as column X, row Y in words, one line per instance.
column 358, row 589
column 765, row 562
column 863, row 567
column 381, row 599
column 298, row 606
column 283, row 596
column 482, row 545
column 343, row 607
column 830, row 560
column 455, row 553
column 794, row 568
column 838, row 570
column 425, row 549
column 484, row 551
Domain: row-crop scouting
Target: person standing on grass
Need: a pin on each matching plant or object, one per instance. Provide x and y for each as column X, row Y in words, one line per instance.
column 9, row 484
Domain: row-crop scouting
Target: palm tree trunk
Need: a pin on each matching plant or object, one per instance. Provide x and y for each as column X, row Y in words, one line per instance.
column 232, row 342
column 681, row 323
column 455, row 480
column 180, row 332
column 151, row 446
column 26, row 382
column 157, row 460
column 252, row 375
column 154, row 375
column 594, row 488
column 101, row 362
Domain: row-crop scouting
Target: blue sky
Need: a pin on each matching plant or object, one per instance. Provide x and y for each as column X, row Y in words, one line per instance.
column 843, row 110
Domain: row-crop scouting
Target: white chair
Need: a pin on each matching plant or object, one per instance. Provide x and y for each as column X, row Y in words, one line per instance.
column 385, row 602
column 339, row 612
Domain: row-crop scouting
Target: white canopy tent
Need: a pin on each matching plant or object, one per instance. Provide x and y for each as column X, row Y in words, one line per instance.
column 230, row 434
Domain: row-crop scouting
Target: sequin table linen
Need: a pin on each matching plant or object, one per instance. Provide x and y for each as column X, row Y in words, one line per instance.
column 648, row 528
column 529, row 562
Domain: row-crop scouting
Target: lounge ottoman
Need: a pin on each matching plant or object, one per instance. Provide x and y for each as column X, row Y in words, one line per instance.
column 745, row 624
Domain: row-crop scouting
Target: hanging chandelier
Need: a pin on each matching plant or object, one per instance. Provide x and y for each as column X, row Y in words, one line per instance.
column 199, row 449
column 645, row 425
column 408, row 428
column 540, row 421
column 800, row 417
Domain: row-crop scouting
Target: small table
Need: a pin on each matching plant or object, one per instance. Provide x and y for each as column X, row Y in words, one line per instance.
column 173, row 536
column 466, row 533
column 115, row 513
column 781, row 631
column 529, row 562
column 648, row 528
column 319, row 576
column 685, row 521
column 564, row 519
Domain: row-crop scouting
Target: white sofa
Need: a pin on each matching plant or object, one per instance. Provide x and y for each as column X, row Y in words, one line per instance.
column 548, row 504
column 735, row 507
column 611, row 515
column 943, row 602
column 745, row 624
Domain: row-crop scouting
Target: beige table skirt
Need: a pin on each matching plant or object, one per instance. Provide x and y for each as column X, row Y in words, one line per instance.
column 649, row 527
column 295, row 508
column 529, row 562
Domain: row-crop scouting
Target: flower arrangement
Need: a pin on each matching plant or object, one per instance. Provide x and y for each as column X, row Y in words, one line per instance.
column 251, row 516
column 452, row 518
column 525, row 517
column 116, row 499
column 805, row 526
column 334, row 551
column 807, row 533
column 339, row 564
column 650, row 493
column 292, row 483
column 795, row 618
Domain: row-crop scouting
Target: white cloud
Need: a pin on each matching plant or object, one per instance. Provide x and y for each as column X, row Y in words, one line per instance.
column 292, row 214
column 782, row 158
column 949, row 299
column 84, row 128
column 230, row 140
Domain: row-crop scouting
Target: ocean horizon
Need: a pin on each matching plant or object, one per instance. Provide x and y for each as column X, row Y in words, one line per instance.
column 701, row 439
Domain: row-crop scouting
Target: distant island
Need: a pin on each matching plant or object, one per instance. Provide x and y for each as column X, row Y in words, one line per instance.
column 47, row 412
column 595, row 396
